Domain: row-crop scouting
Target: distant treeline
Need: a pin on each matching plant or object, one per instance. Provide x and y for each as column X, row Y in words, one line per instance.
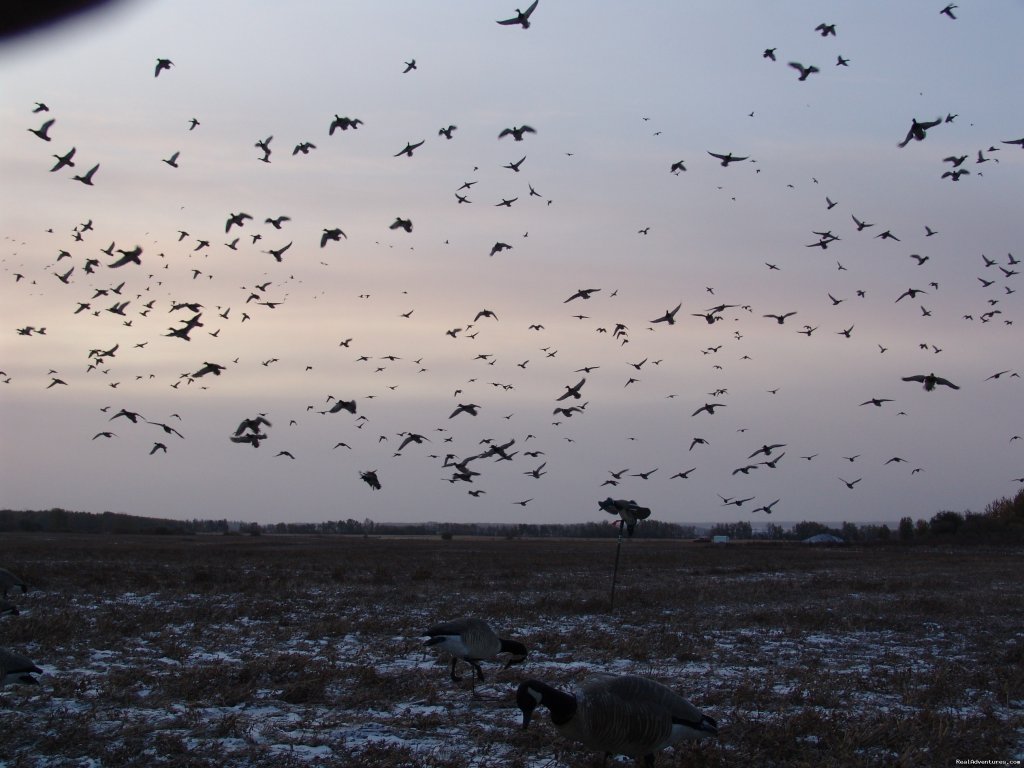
column 1001, row 522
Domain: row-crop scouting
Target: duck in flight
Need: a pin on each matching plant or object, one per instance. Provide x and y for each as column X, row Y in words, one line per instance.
column 726, row 159
column 522, row 18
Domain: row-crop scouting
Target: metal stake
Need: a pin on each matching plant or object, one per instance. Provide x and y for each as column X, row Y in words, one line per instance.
column 615, row 570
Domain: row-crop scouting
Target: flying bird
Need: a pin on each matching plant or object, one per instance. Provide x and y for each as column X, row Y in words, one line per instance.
column 930, row 380
column 522, row 18
column 918, row 130
column 726, row 159
column 161, row 65
column 805, row 72
column 516, row 132
column 409, row 148
column 669, row 316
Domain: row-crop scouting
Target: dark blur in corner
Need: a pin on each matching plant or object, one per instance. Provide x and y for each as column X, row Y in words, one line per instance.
column 21, row 18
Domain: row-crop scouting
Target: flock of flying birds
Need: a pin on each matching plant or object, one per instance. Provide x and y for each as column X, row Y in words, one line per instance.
column 123, row 280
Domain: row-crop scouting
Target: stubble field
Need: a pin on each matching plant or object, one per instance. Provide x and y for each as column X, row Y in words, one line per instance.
column 302, row 651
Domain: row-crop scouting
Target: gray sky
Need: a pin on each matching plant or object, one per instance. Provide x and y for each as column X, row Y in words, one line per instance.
column 616, row 94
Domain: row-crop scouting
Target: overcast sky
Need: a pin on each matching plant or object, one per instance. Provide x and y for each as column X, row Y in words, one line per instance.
column 617, row 93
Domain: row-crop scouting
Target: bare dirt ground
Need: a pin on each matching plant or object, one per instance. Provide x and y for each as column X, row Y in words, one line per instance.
column 295, row 651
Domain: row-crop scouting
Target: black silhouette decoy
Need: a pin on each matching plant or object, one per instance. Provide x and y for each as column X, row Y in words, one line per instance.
column 162, row 64
column 521, row 18
column 930, row 380
column 629, row 511
column 516, row 132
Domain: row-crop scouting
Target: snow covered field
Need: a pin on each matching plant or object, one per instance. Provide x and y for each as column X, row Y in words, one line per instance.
column 296, row 651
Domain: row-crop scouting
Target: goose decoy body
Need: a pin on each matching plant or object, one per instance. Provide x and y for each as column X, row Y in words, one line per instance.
column 9, row 581
column 472, row 640
column 629, row 511
column 16, row 669
column 618, row 715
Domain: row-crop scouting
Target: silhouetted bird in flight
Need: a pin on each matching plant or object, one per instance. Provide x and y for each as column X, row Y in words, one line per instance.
column 522, row 17
column 371, row 479
column 344, row 123
column 172, row 160
column 43, row 131
column 162, row 64
column 948, row 11
column 409, row 148
column 826, row 29
column 332, row 234
column 86, row 178
column 918, row 130
column 516, row 132
column 805, row 72
column 669, row 316
column 64, row 160
column 400, row 223
column 726, row 159
column 930, row 380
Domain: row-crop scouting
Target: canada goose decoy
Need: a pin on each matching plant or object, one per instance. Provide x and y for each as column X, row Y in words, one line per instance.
column 618, row 715
column 522, row 17
column 629, row 511
column 16, row 669
column 9, row 581
column 472, row 640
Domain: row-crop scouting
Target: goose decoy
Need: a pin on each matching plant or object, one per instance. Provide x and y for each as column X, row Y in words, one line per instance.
column 472, row 640
column 629, row 511
column 618, row 714
column 9, row 581
column 16, row 669
column 521, row 18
